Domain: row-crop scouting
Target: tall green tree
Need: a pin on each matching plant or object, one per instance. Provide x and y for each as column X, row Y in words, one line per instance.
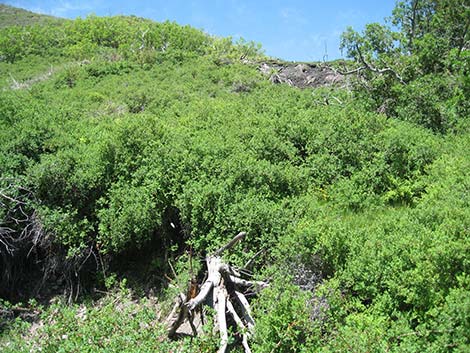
column 428, row 29
column 416, row 67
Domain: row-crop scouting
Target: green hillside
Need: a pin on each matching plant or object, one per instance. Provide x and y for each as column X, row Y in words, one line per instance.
column 13, row 16
column 130, row 150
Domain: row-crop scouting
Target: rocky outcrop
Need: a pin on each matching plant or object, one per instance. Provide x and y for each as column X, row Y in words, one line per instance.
column 301, row 75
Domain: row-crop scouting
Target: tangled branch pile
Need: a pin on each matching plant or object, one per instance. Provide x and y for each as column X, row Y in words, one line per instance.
column 225, row 291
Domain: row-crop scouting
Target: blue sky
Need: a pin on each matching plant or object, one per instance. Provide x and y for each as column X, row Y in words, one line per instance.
column 292, row 30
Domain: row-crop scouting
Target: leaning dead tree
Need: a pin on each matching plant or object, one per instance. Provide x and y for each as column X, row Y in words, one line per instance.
column 225, row 291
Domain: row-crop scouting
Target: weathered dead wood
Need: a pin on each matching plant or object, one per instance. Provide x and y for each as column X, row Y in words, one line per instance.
column 365, row 65
column 241, row 325
column 221, row 319
column 230, row 244
column 223, row 284
column 239, row 282
column 213, row 267
column 246, row 311
column 180, row 299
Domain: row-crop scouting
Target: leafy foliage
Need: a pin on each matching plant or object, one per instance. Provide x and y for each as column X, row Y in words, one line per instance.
column 12, row 16
column 156, row 135
column 114, row 323
column 415, row 73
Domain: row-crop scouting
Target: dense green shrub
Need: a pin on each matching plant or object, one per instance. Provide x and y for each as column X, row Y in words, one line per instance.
column 116, row 323
column 160, row 135
column 130, row 37
column 427, row 101
column 285, row 323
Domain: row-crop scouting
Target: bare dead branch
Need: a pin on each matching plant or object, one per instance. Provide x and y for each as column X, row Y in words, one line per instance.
column 240, row 324
column 220, row 307
column 251, row 261
column 245, row 308
column 213, row 265
column 230, row 244
column 245, row 283
column 176, row 323
column 367, row 66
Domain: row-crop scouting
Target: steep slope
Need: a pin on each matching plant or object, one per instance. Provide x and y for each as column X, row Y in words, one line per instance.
column 148, row 145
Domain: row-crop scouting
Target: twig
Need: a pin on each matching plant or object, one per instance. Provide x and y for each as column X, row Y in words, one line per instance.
column 251, row 261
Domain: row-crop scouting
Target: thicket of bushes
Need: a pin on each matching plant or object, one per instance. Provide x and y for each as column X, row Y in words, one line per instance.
column 148, row 140
column 141, row 40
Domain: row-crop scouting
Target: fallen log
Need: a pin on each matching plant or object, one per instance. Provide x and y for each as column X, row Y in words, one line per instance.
column 224, row 290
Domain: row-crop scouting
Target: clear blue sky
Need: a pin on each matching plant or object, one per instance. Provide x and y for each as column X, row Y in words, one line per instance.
column 295, row 30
